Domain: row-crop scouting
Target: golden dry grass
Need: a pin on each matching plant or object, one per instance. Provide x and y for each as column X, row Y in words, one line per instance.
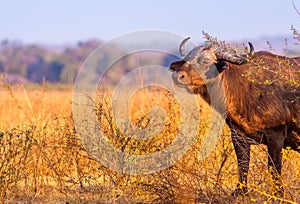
column 42, row 159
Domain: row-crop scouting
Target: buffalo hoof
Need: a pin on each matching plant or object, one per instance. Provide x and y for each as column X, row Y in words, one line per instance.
column 279, row 192
column 240, row 192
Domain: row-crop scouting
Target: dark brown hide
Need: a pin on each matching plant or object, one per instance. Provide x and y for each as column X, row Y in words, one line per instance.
column 262, row 98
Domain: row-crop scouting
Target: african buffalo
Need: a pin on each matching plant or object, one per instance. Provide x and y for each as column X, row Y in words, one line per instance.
column 262, row 99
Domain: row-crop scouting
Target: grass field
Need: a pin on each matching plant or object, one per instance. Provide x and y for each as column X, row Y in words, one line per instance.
column 43, row 161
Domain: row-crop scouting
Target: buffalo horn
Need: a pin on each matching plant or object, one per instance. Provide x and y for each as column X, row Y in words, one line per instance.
column 182, row 47
column 234, row 58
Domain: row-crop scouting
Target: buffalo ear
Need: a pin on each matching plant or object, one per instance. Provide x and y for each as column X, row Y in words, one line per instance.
column 221, row 65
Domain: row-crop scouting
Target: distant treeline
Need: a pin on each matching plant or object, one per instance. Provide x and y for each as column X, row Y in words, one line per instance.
column 34, row 63
column 22, row 63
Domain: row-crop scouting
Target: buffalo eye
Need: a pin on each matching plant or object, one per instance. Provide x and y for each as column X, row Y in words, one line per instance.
column 204, row 60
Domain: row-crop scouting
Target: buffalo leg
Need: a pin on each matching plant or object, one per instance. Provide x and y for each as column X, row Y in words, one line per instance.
column 242, row 150
column 275, row 145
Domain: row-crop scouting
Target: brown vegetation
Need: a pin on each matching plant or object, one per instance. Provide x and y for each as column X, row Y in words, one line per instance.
column 42, row 159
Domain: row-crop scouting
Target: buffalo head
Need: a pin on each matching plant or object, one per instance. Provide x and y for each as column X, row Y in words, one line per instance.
column 202, row 65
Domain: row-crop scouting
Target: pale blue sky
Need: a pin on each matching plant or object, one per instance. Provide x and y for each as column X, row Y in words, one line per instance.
column 67, row 21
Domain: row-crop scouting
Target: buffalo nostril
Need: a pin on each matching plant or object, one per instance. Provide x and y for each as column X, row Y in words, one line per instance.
column 181, row 76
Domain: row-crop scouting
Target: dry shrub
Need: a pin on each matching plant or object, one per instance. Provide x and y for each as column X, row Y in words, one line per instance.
column 43, row 160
